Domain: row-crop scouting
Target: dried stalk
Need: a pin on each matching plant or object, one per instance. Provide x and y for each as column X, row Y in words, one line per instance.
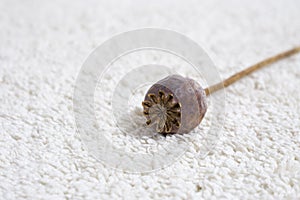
column 232, row 79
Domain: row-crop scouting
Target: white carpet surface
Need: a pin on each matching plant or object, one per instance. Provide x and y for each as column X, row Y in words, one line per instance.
column 42, row 47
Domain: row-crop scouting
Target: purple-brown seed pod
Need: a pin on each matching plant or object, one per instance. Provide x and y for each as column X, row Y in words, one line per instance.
column 175, row 105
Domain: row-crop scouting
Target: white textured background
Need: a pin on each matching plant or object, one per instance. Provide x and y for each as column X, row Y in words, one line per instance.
column 42, row 47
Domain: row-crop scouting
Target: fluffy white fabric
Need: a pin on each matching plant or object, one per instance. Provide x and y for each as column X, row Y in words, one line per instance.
column 42, row 47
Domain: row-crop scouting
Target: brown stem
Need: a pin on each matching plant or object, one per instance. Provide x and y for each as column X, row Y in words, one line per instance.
column 250, row 69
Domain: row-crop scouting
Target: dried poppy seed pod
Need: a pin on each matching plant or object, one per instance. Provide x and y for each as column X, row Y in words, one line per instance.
column 175, row 105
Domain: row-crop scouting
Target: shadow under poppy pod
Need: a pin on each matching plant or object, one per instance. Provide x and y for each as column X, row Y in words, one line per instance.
column 177, row 104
